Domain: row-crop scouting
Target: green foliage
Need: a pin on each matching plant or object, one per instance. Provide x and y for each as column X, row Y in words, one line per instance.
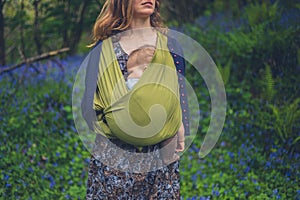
column 225, row 71
column 258, row 154
column 61, row 21
column 183, row 12
column 235, row 170
column 263, row 40
column 267, row 84
column 257, row 13
column 42, row 156
column 286, row 119
column 261, row 134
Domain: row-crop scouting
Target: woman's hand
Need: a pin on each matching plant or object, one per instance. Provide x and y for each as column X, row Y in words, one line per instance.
column 175, row 145
column 140, row 57
column 180, row 139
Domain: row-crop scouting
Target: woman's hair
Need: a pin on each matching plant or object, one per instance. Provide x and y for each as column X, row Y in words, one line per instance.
column 116, row 16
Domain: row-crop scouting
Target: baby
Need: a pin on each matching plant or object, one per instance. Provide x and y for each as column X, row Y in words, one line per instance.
column 137, row 63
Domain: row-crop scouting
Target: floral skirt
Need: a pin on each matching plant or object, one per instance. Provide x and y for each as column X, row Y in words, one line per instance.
column 121, row 171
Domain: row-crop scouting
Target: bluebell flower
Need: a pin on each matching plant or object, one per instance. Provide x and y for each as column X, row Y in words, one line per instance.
column 221, row 160
column 233, row 168
column 223, row 144
column 275, row 191
column 247, row 169
column 21, row 165
column 215, row 192
column 194, row 177
column 6, row 177
column 288, row 173
column 268, row 164
column 196, row 149
column 25, row 110
column 52, row 184
column 73, row 129
column 83, row 173
column 242, row 162
column 230, row 154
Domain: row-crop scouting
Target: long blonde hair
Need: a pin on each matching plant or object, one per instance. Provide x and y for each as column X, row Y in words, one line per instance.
column 116, row 16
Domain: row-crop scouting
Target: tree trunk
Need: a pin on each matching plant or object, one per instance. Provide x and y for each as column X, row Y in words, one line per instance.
column 2, row 41
column 22, row 41
column 76, row 32
column 36, row 31
column 67, row 14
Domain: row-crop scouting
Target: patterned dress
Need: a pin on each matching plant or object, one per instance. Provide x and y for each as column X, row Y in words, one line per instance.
column 106, row 181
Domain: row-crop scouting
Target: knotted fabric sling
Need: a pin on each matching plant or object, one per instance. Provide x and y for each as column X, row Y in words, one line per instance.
column 145, row 115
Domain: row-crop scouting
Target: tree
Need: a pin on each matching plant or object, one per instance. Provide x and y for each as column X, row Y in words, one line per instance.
column 69, row 19
column 73, row 34
column 33, row 27
column 36, row 27
column 183, row 11
column 2, row 41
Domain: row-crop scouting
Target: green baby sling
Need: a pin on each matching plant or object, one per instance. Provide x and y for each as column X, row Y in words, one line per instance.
column 145, row 115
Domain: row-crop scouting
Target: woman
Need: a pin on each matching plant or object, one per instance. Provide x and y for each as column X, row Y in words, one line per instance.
column 155, row 176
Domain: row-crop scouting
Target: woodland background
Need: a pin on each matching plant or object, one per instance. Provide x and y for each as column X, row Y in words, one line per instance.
column 255, row 44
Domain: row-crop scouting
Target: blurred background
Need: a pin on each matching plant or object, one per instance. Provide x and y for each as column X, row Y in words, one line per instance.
column 254, row 43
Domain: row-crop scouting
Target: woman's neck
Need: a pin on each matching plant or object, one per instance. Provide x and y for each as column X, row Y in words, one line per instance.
column 140, row 23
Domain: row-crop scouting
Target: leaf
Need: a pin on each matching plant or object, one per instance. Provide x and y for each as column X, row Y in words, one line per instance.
column 68, row 108
column 296, row 140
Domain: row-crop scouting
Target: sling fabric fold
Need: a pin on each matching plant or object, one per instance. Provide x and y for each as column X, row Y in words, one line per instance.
column 145, row 115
